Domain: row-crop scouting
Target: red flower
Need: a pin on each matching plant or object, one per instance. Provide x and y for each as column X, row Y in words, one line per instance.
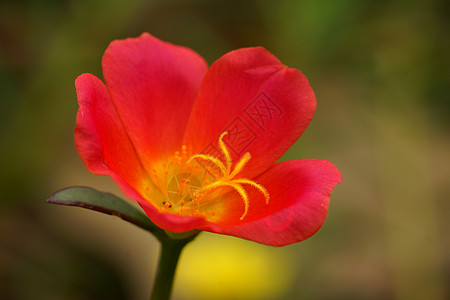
column 197, row 147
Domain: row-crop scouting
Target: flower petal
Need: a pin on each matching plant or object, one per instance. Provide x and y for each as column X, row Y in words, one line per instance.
column 299, row 195
column 105, row 148
column 152, row 85
column 91, row 94
column 101, row 140
column 263, row 105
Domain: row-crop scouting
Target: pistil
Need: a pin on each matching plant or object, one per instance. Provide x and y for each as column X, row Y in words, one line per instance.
column 191, row 185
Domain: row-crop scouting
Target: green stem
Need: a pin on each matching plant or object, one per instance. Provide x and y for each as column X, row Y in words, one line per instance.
column 168, row 260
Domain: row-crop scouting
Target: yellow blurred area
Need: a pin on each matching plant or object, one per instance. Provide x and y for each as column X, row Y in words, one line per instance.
column 380, row 71
column 229, row 268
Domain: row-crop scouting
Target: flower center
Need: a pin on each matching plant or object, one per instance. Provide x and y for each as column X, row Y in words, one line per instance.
column 191, row 184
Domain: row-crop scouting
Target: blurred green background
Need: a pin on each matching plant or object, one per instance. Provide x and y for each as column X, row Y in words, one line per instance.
column 380, row 70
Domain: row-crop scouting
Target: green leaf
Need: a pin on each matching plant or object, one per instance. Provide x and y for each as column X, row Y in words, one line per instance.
column 107, row 203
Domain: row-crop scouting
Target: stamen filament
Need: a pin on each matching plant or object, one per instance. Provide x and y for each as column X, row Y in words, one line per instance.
column 244, row 197
column 212, row 159
column 255, row 185
column 224, row 149
column 240, row 165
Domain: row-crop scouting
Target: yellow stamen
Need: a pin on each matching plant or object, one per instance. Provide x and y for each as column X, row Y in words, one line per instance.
column 224, row 149
column 240, row 164
column 254, row 184
column 212, row 159
column 227, row 175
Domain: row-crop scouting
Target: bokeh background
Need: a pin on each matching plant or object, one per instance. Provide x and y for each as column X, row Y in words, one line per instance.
column 380, row 70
